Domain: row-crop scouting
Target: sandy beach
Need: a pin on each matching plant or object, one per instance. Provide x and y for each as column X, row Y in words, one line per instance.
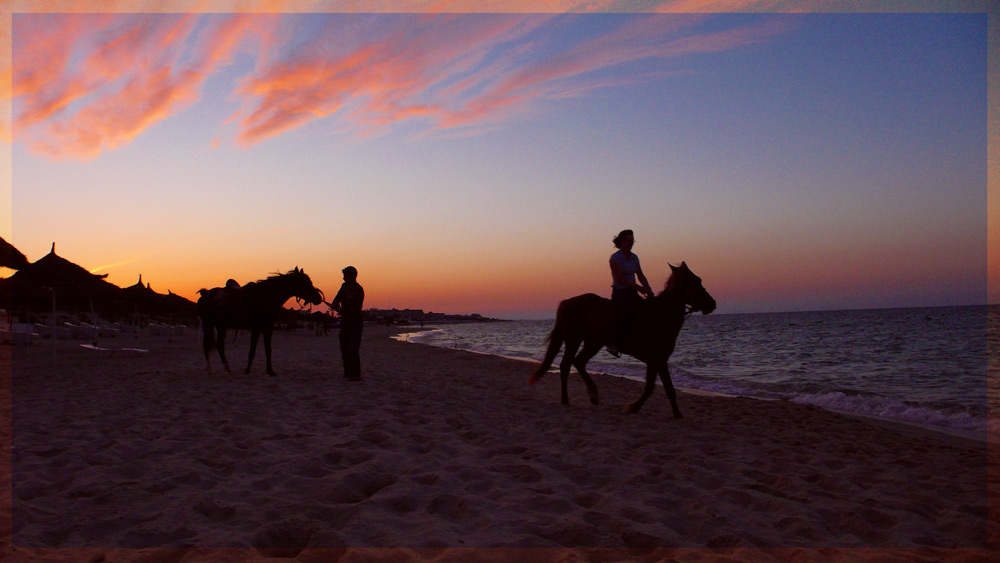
column 440, row 455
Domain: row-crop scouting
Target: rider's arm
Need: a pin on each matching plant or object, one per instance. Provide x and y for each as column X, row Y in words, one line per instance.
column 616, row 274
column 645, row 284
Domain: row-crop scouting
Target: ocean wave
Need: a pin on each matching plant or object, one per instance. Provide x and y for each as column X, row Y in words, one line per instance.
column 884, row 407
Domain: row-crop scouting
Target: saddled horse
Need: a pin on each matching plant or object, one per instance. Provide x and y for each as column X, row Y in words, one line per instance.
column 255, row 306
column 589, row 320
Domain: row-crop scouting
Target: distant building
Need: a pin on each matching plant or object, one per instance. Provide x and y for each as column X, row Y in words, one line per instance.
column 410, row 316
column 394, row 315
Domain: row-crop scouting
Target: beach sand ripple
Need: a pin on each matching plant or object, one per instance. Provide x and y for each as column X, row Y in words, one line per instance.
column 439, row 455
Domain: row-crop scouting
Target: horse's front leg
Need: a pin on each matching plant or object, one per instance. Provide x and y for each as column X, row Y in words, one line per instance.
column 668, row 386
column 253, row 348
column 267, row 351
column 634, row 406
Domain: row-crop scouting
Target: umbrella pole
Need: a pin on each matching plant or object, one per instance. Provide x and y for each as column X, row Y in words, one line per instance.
column 53, row 290
column 93, row 321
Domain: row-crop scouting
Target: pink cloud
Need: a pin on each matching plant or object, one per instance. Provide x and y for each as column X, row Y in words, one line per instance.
column 111, row 78
column 118, row 119
column 85, row 84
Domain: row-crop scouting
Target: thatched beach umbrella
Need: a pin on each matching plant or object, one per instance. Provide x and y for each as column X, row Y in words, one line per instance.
column 180, row 305
column 32, row 287
column 11, row 257
column 141, row 298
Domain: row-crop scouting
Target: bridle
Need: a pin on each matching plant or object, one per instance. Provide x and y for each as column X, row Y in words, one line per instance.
column 302, row 303
column 689, row 310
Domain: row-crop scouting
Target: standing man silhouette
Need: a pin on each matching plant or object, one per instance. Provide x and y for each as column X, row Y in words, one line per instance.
column 348, row 304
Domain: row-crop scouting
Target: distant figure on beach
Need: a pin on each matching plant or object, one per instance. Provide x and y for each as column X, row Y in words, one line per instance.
column 625, row 290
column 348, row 303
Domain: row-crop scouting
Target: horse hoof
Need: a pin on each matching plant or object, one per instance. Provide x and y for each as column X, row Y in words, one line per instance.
column 594, row 400
column 631, row 409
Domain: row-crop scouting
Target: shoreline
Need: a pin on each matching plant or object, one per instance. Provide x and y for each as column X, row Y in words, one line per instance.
column 945, row 432
column 443, row 455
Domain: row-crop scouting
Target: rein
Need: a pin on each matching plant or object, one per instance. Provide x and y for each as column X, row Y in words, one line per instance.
column 688, row 308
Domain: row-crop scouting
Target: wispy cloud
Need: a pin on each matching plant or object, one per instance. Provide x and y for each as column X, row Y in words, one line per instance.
column 84, row 84
column 111, row 266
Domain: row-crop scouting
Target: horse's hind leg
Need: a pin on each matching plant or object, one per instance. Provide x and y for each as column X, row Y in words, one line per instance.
column 564, row 366
column 207, row 332
column 588, row 352
column 220, row 345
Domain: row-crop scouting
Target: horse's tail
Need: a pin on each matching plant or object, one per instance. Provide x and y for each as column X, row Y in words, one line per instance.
column 555, row 342
column 207, row 327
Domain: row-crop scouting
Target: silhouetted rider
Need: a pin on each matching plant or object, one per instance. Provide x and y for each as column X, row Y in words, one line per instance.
column 625, row 290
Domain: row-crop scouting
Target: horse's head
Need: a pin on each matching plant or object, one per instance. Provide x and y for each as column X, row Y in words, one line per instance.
column 688, row 286
column 303, row 288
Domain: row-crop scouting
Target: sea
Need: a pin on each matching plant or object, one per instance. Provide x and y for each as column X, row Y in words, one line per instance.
column 934, row 367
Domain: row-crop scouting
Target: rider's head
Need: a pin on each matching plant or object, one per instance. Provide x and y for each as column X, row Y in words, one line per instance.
column 622, row 237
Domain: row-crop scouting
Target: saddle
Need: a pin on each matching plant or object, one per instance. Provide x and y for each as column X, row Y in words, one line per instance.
column 229, row 295
column 628, row 325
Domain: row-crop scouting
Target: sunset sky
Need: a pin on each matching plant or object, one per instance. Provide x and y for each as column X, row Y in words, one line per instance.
column 482, row 162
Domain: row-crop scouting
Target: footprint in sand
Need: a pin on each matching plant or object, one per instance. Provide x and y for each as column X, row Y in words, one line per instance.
column 145, row 538
column 284, row 539
column 636, row 515
column 30, row 491
column 214, row 511
column 401, row 504
column 374, row 436
column 590, row 499
column 523, row 473
column 311, row 469
column 361, row 485
column 427, row 479
column 549, row 505
column 48, row 453
column 448, row 505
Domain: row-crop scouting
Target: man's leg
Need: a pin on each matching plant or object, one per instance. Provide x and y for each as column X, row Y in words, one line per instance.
column 352, row 351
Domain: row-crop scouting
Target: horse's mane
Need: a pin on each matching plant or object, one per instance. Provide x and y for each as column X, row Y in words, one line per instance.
column 674, row 271
column 294, row 272
column 666, row 284
column 277, row 275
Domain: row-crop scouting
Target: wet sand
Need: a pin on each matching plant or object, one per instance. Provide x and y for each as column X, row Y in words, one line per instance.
column 440, row 455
